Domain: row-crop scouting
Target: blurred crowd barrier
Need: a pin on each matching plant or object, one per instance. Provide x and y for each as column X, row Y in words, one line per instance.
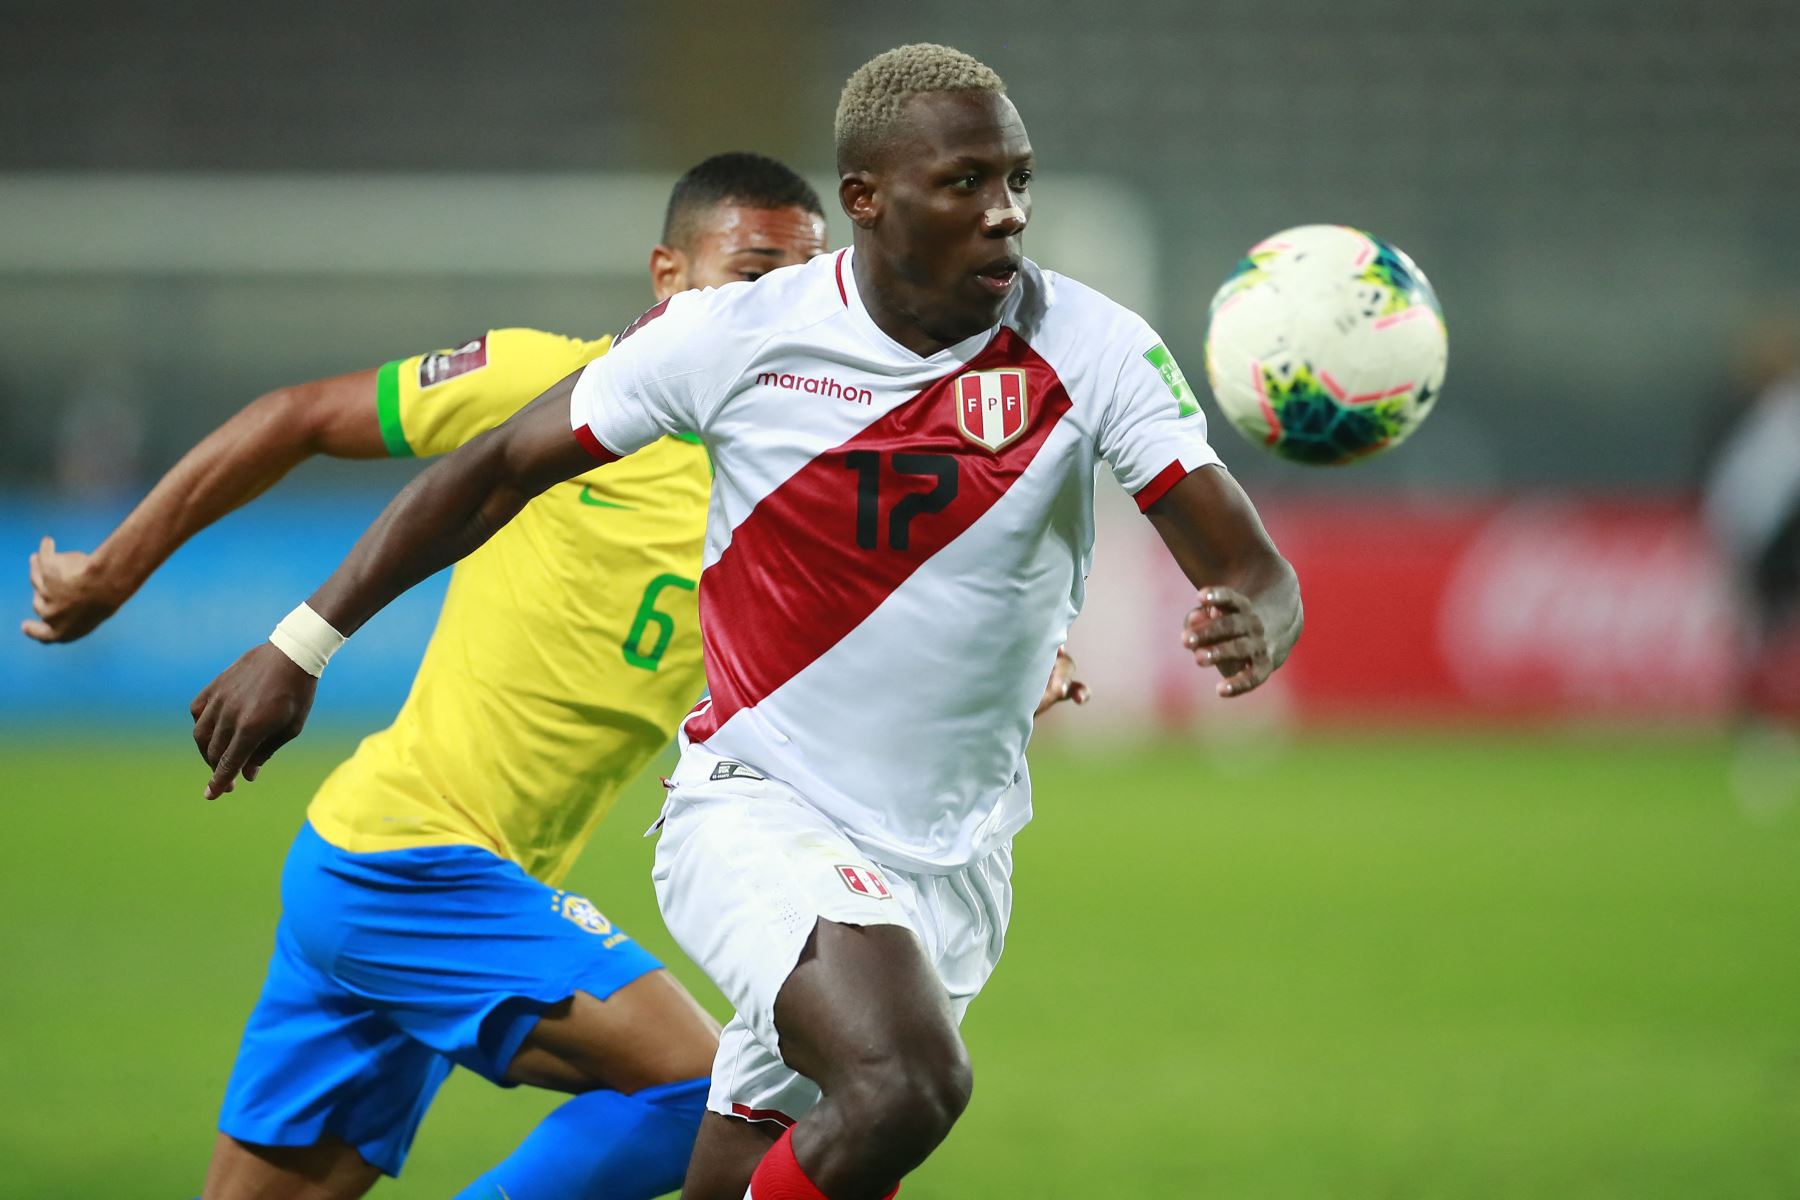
column 1553, row 608
column 1545, row 608
column 218, row 596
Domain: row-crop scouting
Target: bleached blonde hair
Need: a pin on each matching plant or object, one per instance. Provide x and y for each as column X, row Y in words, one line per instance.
column 877, row 91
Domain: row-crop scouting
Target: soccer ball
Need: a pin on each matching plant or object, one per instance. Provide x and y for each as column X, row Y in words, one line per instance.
column 1326, row 345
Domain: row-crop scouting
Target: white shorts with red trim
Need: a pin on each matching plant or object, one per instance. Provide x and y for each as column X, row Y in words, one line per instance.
column 746, row 868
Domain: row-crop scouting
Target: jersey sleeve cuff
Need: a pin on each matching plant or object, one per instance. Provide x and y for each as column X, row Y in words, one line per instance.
column 593, row 446
column 1159, row 487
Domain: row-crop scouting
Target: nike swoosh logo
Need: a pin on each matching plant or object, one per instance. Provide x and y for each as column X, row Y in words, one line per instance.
column 588, row 498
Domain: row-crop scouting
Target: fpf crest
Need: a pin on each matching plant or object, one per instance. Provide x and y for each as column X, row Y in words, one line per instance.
column 992, row 407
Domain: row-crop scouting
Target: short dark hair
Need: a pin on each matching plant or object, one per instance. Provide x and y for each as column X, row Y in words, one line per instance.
column 740, row 178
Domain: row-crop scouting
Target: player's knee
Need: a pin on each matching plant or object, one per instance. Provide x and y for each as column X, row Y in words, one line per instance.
column 942, row 1090
column 912, row 1099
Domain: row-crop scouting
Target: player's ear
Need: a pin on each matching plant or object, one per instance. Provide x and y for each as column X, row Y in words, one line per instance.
column 860, row 197
column 668, row 271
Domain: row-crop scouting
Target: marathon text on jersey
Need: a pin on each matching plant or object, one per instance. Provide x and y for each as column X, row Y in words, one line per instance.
column 816, row 387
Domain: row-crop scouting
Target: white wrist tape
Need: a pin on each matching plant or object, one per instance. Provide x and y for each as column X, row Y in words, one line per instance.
column 308, row 639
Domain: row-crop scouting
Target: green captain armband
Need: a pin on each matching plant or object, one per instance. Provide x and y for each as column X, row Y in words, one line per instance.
column 387, row 410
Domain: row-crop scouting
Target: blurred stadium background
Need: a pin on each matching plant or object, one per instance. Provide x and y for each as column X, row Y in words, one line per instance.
column 1493, row 893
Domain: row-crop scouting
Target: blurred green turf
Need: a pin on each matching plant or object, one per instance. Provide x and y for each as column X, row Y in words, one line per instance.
column 1369, row 966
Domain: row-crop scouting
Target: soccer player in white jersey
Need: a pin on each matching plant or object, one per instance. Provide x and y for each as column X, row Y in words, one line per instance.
column 906, row 437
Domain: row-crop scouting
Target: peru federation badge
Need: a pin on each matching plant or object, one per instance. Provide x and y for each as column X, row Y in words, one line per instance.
column 991, row 406
column 865, row 881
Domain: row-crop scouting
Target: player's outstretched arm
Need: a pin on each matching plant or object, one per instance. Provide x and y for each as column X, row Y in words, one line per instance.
column 261, row 701
column 1249, row 615
column 73, row 591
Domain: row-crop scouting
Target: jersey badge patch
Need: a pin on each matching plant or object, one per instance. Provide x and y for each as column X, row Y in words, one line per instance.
column 444, row 365
column 865, row 881
column 992, row 407
column 1166, row 366
column 582, row 912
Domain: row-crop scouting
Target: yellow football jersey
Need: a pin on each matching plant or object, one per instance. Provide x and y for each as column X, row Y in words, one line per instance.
column 568, row 646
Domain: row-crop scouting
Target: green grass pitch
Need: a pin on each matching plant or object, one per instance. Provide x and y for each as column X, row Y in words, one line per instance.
column 1346, row 966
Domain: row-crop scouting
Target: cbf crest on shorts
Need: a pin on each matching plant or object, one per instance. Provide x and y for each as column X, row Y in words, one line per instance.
column 991, row 406
column 582, row 912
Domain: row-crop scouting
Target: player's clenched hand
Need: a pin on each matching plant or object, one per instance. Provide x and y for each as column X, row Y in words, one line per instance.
column 1063, row 685
column 255, row 707
column 69, row 595
column 1226, row 632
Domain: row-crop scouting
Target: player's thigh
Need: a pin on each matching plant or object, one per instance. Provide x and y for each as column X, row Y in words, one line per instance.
column 725, row 1156
column 648, row 1033
column 745, row 870
column 330, row 1169
column 866, row 999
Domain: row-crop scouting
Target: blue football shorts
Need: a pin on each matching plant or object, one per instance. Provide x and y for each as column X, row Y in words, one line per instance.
column 391, row 967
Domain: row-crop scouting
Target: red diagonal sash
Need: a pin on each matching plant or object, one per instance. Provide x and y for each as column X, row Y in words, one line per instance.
column 795, row 580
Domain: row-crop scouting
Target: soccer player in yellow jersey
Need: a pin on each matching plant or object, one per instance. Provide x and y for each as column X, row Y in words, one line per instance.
column 422, row 921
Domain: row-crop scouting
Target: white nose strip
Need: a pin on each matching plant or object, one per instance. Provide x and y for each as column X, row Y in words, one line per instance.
column 996, row 216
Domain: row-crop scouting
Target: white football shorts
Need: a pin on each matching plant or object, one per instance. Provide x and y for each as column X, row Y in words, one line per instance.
column 744, row 870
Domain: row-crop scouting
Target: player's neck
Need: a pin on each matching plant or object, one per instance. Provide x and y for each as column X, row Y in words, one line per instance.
column 898, row 309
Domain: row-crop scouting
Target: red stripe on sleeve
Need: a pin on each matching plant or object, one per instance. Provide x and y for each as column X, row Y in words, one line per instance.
column 761, row 1114
column 1159, row 487
column 650, row 314
column 592, row 445
column 795, row 578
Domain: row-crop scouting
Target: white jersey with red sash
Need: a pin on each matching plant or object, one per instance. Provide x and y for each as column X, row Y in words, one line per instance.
column 897, row 544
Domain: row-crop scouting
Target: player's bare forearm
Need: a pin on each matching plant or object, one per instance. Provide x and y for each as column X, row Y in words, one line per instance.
column 261, row 701
column 74, row 592
column 241, row 460
column 452, row 507
column 1249, row 615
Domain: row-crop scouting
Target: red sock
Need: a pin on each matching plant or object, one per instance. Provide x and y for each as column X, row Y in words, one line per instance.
column 779, row 1177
